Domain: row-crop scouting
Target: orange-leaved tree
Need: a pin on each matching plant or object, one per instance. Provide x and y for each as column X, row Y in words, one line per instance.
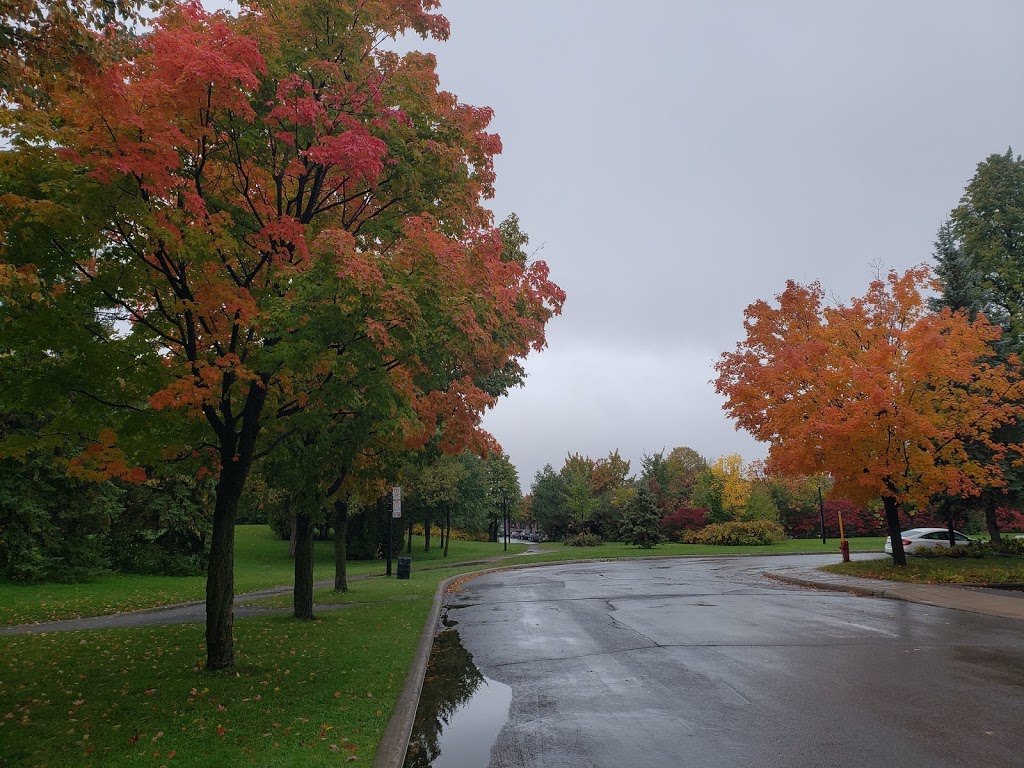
column 881, row 394
column 290, row 218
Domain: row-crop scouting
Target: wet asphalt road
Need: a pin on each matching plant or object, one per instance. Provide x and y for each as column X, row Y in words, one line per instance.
column 705, row 663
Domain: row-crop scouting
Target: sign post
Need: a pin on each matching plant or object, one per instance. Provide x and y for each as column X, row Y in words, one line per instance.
column 396, row 511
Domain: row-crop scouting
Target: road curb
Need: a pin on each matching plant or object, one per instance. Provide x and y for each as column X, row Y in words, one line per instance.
column 854, row 589
column 395, row 741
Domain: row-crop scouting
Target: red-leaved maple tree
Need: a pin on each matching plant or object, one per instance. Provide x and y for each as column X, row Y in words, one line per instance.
column 881, row 394
column 291, row 219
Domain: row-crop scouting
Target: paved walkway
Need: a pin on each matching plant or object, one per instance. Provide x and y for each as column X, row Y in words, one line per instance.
column 196, row 611
column 993, row 602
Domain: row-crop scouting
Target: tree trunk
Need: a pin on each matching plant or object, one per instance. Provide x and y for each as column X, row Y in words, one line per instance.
column 949, row 529
column 220, row 572
column 220, row 575
column 340, row 545
column 892, row 518
column 237, row 449
column 292, row 539
column 448, row 527
column 408, row 549
column 991, row 521
column 303, row 589
column 426, row 534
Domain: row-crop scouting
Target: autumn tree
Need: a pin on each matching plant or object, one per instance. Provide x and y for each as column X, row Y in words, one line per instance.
column 736, row 488
column 41, row 39
column 611, row 485
column 724, row 489
column 682, row 464
column 880, row 393
column 283, row 213
column 795, row 498
column 672, row 478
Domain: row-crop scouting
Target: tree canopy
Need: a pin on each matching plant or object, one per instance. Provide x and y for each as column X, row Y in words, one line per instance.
column 246, row 219
column 881, row 394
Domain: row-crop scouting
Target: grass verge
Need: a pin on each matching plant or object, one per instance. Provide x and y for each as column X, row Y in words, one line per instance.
column 261, row 562
column 553, row 552
column 938, row 570
column 302, row 694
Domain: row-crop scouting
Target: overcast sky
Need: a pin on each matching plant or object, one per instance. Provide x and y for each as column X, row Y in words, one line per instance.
column 679, row 160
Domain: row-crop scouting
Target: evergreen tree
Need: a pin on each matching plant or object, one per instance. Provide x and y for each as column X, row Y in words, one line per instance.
column 979, row 262
column 641, row 524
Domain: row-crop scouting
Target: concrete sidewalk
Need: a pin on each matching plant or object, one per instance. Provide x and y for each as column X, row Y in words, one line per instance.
column 975, row 599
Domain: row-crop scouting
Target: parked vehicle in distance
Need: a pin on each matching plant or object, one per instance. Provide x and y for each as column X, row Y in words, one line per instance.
column 927, row 538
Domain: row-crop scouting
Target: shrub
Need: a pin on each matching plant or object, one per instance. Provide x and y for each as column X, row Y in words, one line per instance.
column 583, row 540
column 172, row 553
column 457, row 535
column 756, row 533
column 978, row 549
column 52, row 526
column 1009, row 519
column 1013, row 547
column 683, row 519
column 805, row 523
column 163, row 528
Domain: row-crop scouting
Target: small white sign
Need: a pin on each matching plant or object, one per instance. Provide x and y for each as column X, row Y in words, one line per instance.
column 396, row 501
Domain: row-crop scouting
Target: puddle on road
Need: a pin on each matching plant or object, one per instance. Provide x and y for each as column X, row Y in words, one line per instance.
column 460, row 713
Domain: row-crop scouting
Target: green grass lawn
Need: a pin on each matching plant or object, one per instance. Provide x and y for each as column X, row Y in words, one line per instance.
column 938, row 570
column 261, row 561
column 554, row 552
column 302, row 693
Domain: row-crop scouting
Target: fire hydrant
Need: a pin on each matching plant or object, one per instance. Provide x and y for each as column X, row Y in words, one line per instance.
column 844, row 547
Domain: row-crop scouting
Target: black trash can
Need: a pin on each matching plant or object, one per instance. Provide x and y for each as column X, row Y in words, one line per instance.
column 404, row 567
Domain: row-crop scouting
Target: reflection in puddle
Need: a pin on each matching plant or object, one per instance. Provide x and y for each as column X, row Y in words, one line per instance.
column 460, row 711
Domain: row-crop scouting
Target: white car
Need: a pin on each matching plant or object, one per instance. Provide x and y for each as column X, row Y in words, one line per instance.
column 925, row 538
